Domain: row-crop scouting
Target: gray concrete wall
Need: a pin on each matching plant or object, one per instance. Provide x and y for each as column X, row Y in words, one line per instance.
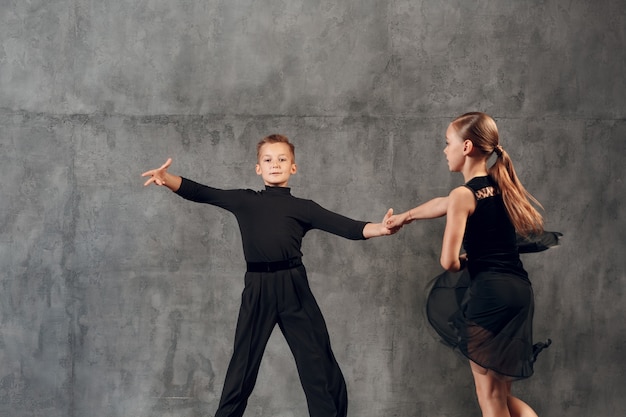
column 120, row 301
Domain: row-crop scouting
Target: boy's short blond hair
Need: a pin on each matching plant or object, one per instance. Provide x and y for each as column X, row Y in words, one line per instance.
column 275, row 138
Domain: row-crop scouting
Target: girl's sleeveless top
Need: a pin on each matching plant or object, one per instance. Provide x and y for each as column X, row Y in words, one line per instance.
column 490, row 239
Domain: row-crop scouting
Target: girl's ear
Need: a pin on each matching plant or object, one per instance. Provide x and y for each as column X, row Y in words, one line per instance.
column 468, row 147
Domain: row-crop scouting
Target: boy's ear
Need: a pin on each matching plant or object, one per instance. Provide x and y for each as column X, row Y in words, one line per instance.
column 294, row 168
column 258, row 169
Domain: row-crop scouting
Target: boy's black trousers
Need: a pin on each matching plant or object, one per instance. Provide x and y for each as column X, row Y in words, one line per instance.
column 283, row 297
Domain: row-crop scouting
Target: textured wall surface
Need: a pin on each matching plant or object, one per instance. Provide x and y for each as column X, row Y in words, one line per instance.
column 120, row 301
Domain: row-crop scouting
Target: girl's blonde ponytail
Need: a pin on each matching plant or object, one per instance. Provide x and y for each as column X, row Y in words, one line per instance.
column 481, row 129
column 517, row 200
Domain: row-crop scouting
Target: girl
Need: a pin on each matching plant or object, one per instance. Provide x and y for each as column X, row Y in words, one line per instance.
column 487, row 314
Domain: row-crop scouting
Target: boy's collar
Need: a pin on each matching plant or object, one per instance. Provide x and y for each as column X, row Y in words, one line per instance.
column 281, row 190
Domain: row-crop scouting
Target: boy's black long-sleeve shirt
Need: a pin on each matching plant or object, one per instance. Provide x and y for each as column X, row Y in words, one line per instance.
column 272, row 222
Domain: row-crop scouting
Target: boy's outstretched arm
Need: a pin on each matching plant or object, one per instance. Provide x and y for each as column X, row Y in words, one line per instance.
column 380, row 229
column 161, row 177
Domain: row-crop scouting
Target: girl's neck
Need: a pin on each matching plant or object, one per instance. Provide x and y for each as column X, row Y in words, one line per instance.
column 473, row 169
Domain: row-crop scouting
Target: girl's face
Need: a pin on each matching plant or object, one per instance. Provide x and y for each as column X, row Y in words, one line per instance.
column 276, row 164
column 454, row 149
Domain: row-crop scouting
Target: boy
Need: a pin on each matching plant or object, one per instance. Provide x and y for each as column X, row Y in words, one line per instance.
column 272, row 224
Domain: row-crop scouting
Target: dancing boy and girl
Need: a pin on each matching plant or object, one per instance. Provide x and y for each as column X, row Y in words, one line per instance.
column 491, row 324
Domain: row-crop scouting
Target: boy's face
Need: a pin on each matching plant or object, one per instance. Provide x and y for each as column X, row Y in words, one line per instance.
column 276, row 164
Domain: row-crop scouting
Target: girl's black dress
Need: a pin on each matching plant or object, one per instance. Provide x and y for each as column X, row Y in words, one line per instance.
column 485, row 312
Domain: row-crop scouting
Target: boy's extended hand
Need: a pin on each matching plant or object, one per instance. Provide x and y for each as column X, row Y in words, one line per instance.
column 161, row 177
column 157, row 176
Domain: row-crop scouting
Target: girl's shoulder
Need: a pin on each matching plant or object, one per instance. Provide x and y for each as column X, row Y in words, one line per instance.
column 462, row 195
column 461, row 201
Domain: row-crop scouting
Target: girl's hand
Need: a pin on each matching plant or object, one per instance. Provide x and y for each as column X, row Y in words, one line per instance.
column 463, row 260
column 396, row 222
column 157, row 176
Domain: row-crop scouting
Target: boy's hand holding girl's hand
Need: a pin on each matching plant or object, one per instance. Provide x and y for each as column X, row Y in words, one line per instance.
column 380, row 229
column 390, row 227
